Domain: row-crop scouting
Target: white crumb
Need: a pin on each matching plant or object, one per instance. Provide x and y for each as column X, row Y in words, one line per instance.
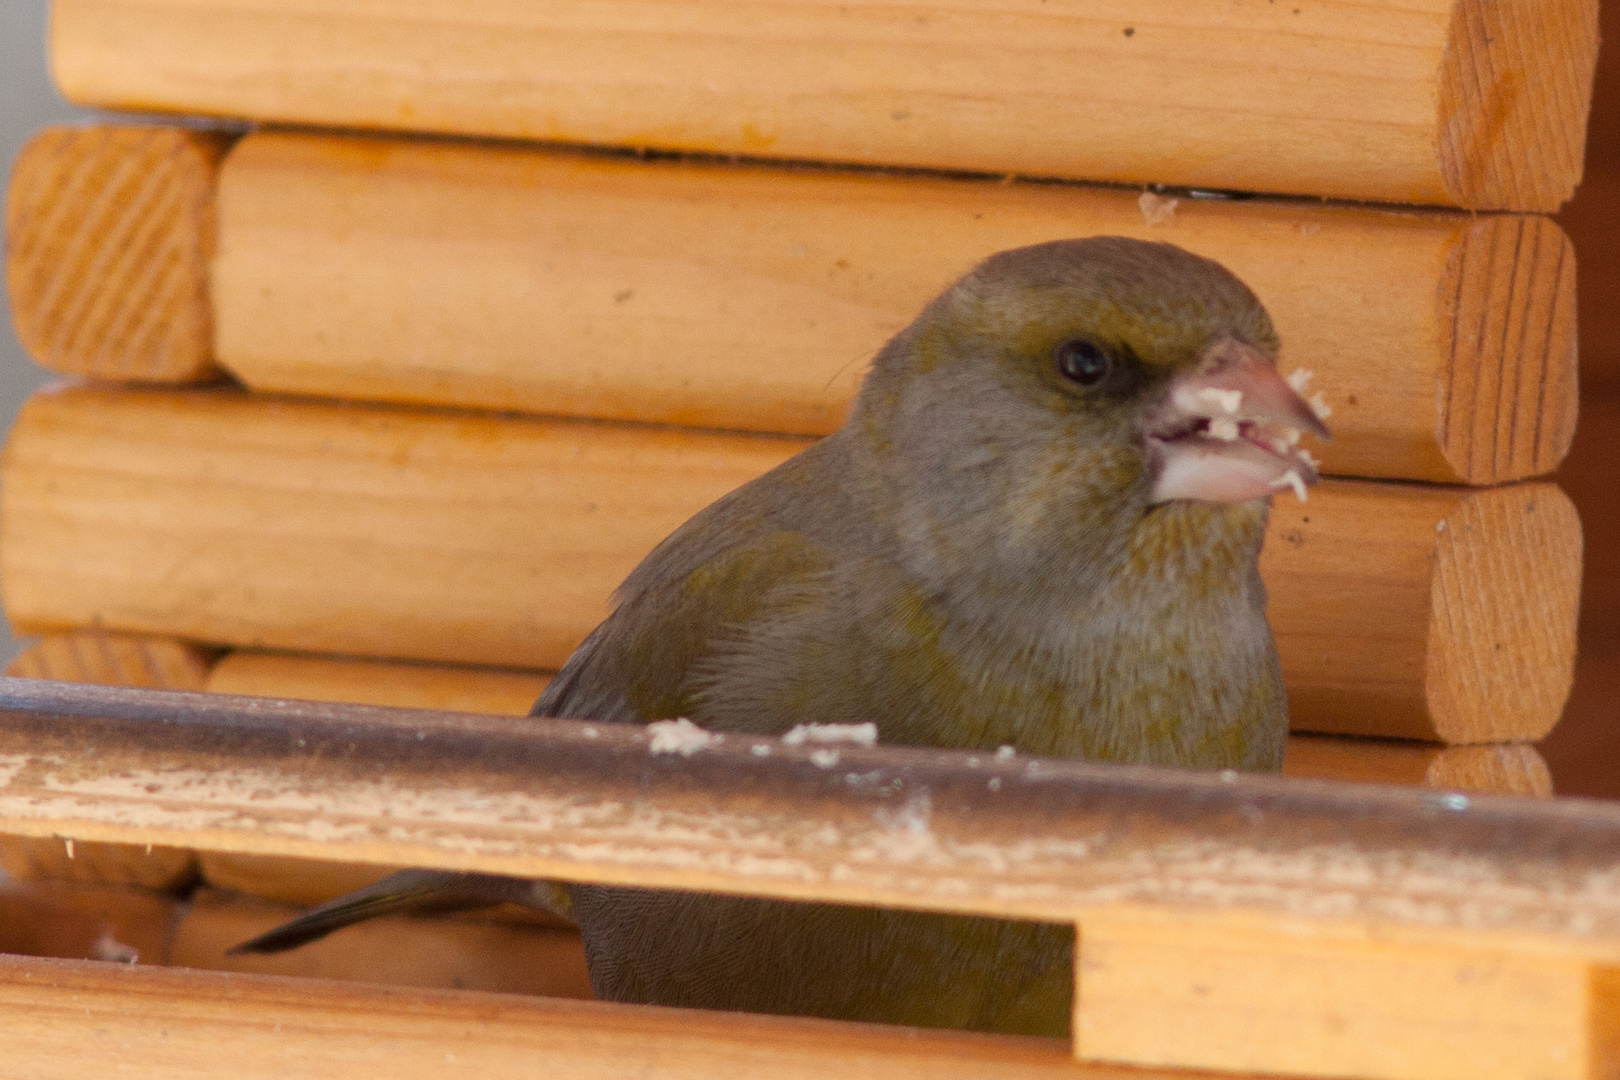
column 824, row 759
column 1291, row 435
column 1440, row 526
column 761, row 750
column 1292, row 479
column 1305, row 456
column 69, row 844
column 112, row 950
column 679, row 736
column 1227, row 401
column 1157, row 209
column 1309, row 228
column 1300, row 378
column 995, row 783
column 1005, row 752
column 1319, row 406
column 1224, row 427
column 591, row 733
column 859, row 734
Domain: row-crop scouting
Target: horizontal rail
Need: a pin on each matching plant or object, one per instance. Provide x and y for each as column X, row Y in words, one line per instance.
column 905, row 827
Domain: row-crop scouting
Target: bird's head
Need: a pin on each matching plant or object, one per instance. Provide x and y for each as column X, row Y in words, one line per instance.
column 1150, row 370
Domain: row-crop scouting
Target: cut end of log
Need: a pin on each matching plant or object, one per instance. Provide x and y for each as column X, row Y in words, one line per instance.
column 1515, row 87
column 1503, row 606
column 1507, row 400
column 1498, row 768
column 110, row 231
column 90, row 656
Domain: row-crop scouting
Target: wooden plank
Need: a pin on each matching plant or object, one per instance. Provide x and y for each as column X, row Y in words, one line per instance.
column 1352, row 930
column 1041, row 839
column 175, row 1024
column 1480, row 103
column 1403, row 611
column 750, row 298
column 108, row 235
column 450, row 954
column 1216, row 993
column 91, row 656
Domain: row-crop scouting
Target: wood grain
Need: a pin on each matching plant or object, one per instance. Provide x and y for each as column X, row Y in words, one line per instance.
column 1404, row 611
column 450, row 954
column 90, row 656
column 140, row 1023
column 1478, row 103
column 109, row 231
column 753, row 298
column 1197, row 895
column 1215, row 993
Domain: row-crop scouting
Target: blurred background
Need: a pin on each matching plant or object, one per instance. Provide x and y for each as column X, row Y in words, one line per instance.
column 28, row 101
column 1584, row 751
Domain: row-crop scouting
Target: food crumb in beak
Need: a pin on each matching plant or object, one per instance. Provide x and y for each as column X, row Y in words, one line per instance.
column 1227, row 401
column 1300, row 378
column 1292, row 479
column 1319, row 406
column 1305, row 456
column 1224, row 427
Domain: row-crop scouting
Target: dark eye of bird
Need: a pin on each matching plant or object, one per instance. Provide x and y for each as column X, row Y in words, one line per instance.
column 1083, row 362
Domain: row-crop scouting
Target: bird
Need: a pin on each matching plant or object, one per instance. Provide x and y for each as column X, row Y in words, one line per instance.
column 1039, row 528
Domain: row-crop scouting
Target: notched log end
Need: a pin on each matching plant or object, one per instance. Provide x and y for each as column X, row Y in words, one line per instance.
column 1507, row 402
column 1515, row 89
column 1503, row 606
column 110, row 230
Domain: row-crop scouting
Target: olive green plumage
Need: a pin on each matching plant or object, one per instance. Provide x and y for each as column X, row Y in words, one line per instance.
column 975, row 559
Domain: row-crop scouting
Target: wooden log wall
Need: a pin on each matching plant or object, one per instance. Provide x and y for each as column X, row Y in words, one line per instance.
column 419, row 275
column 1499, row 909
column 1477, row 103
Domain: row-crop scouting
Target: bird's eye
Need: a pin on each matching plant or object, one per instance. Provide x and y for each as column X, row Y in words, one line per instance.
column 1083, row 362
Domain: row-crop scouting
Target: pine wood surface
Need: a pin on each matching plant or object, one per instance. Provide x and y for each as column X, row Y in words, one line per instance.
column 109, row 231
column 1039, row 839
column 1479, row 103
column 1499, row 768
column 1273, row 999
column 141, row 1022
column 1362, row 931
column 1402, row 611
column 89, row 656
column 753, row 298
column 451, row 954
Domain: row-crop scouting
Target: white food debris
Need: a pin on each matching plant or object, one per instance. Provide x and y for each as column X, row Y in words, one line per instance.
column 761, row 750
column 1319, row 406
column 995, row 783
column 1305, row 456
column 824, row 759
column 113, row 951
column 1157, row 209
column 69, row 844
column 1300, row 378
column 1291, row 435
column 1309, row 228
column 1005, row 752
column 1292, row 479
column 1227, row 401
column 859, row 734
column 679, row 736
column 1440, row 526
column 591, row 733
column 1224, row 427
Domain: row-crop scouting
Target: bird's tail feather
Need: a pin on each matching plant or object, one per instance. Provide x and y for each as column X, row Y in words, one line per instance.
column 415, row 892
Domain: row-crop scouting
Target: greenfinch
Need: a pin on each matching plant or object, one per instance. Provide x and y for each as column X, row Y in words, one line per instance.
column 1039, row 529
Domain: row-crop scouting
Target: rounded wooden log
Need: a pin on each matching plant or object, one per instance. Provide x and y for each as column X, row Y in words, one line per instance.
column 1474, row 103
column 751, row 299
column 1400, row 610
column 1491, row 768
column 109, row 231
column 90, row 656
column 82, row 921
